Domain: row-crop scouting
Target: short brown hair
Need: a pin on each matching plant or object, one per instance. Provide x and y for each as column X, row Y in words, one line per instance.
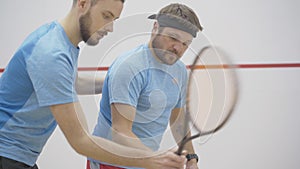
column 93, row 2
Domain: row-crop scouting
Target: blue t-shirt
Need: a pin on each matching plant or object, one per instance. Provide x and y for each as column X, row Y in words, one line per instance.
column 41, row 73
column 136, row 78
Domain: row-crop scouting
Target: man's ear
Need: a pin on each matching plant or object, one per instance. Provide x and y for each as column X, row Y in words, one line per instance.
column 83, row 5
column 155, row 28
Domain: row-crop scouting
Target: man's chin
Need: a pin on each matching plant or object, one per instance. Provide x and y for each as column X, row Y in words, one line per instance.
column 170, row 62
column 92, row 42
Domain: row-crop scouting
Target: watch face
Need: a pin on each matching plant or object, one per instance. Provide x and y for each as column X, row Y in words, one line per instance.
column 192, row 156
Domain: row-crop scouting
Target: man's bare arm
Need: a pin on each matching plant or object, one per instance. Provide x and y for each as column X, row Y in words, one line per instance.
column 89, row 85
column 71, row 121
column 176, row 125
column 122, row 120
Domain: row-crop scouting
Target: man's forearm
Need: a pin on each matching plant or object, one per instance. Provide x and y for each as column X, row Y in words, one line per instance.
column 128, row 138
column 178, row 136
column 71, row 121
column 110, row 152
column 123, row 116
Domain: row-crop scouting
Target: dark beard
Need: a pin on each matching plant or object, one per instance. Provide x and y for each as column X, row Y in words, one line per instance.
column 84, row 25
column 161, row 53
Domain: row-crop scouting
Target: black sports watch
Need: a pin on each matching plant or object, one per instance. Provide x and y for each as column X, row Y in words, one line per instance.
column 192, row 156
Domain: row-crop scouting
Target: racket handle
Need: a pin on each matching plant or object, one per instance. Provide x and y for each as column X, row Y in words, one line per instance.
column 180, row 148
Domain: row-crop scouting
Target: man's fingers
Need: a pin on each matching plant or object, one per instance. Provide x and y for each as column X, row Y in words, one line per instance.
column 175, row 160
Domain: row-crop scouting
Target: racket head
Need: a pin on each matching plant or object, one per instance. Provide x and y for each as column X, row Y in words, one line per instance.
column 212, row 90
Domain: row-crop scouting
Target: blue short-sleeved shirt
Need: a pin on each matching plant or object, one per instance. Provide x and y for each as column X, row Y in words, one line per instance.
column 41, row 73
column 136, row 78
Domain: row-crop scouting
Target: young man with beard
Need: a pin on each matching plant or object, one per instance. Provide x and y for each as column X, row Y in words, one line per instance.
column 145, row 88
column 37, row 92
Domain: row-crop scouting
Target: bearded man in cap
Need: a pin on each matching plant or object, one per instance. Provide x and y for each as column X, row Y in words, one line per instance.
column 145, row 88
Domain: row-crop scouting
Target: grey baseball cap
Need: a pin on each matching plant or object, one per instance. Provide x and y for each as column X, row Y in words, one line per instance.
column 180, row 17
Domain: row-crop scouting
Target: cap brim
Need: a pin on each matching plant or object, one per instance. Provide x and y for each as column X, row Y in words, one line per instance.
column 154, row 16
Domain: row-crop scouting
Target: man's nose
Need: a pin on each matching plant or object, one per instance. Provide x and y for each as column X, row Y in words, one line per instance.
column 109, row 27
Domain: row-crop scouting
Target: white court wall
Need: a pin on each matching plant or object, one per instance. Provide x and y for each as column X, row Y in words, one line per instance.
column 264, row 132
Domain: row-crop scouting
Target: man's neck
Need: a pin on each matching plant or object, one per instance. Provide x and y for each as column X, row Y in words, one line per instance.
column 153, row 53
column 70, row 23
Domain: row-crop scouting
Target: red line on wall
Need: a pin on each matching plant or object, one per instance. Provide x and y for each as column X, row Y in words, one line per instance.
column 239, row 66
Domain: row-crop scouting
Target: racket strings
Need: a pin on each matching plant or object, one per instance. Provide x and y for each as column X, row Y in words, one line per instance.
column 212, row 90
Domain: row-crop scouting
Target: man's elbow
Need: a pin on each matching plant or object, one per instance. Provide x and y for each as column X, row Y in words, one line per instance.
column 80, row 145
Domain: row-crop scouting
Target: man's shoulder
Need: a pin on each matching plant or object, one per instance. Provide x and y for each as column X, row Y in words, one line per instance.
column 135, row 58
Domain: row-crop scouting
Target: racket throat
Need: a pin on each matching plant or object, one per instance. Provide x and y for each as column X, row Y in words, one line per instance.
column 182, row 145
